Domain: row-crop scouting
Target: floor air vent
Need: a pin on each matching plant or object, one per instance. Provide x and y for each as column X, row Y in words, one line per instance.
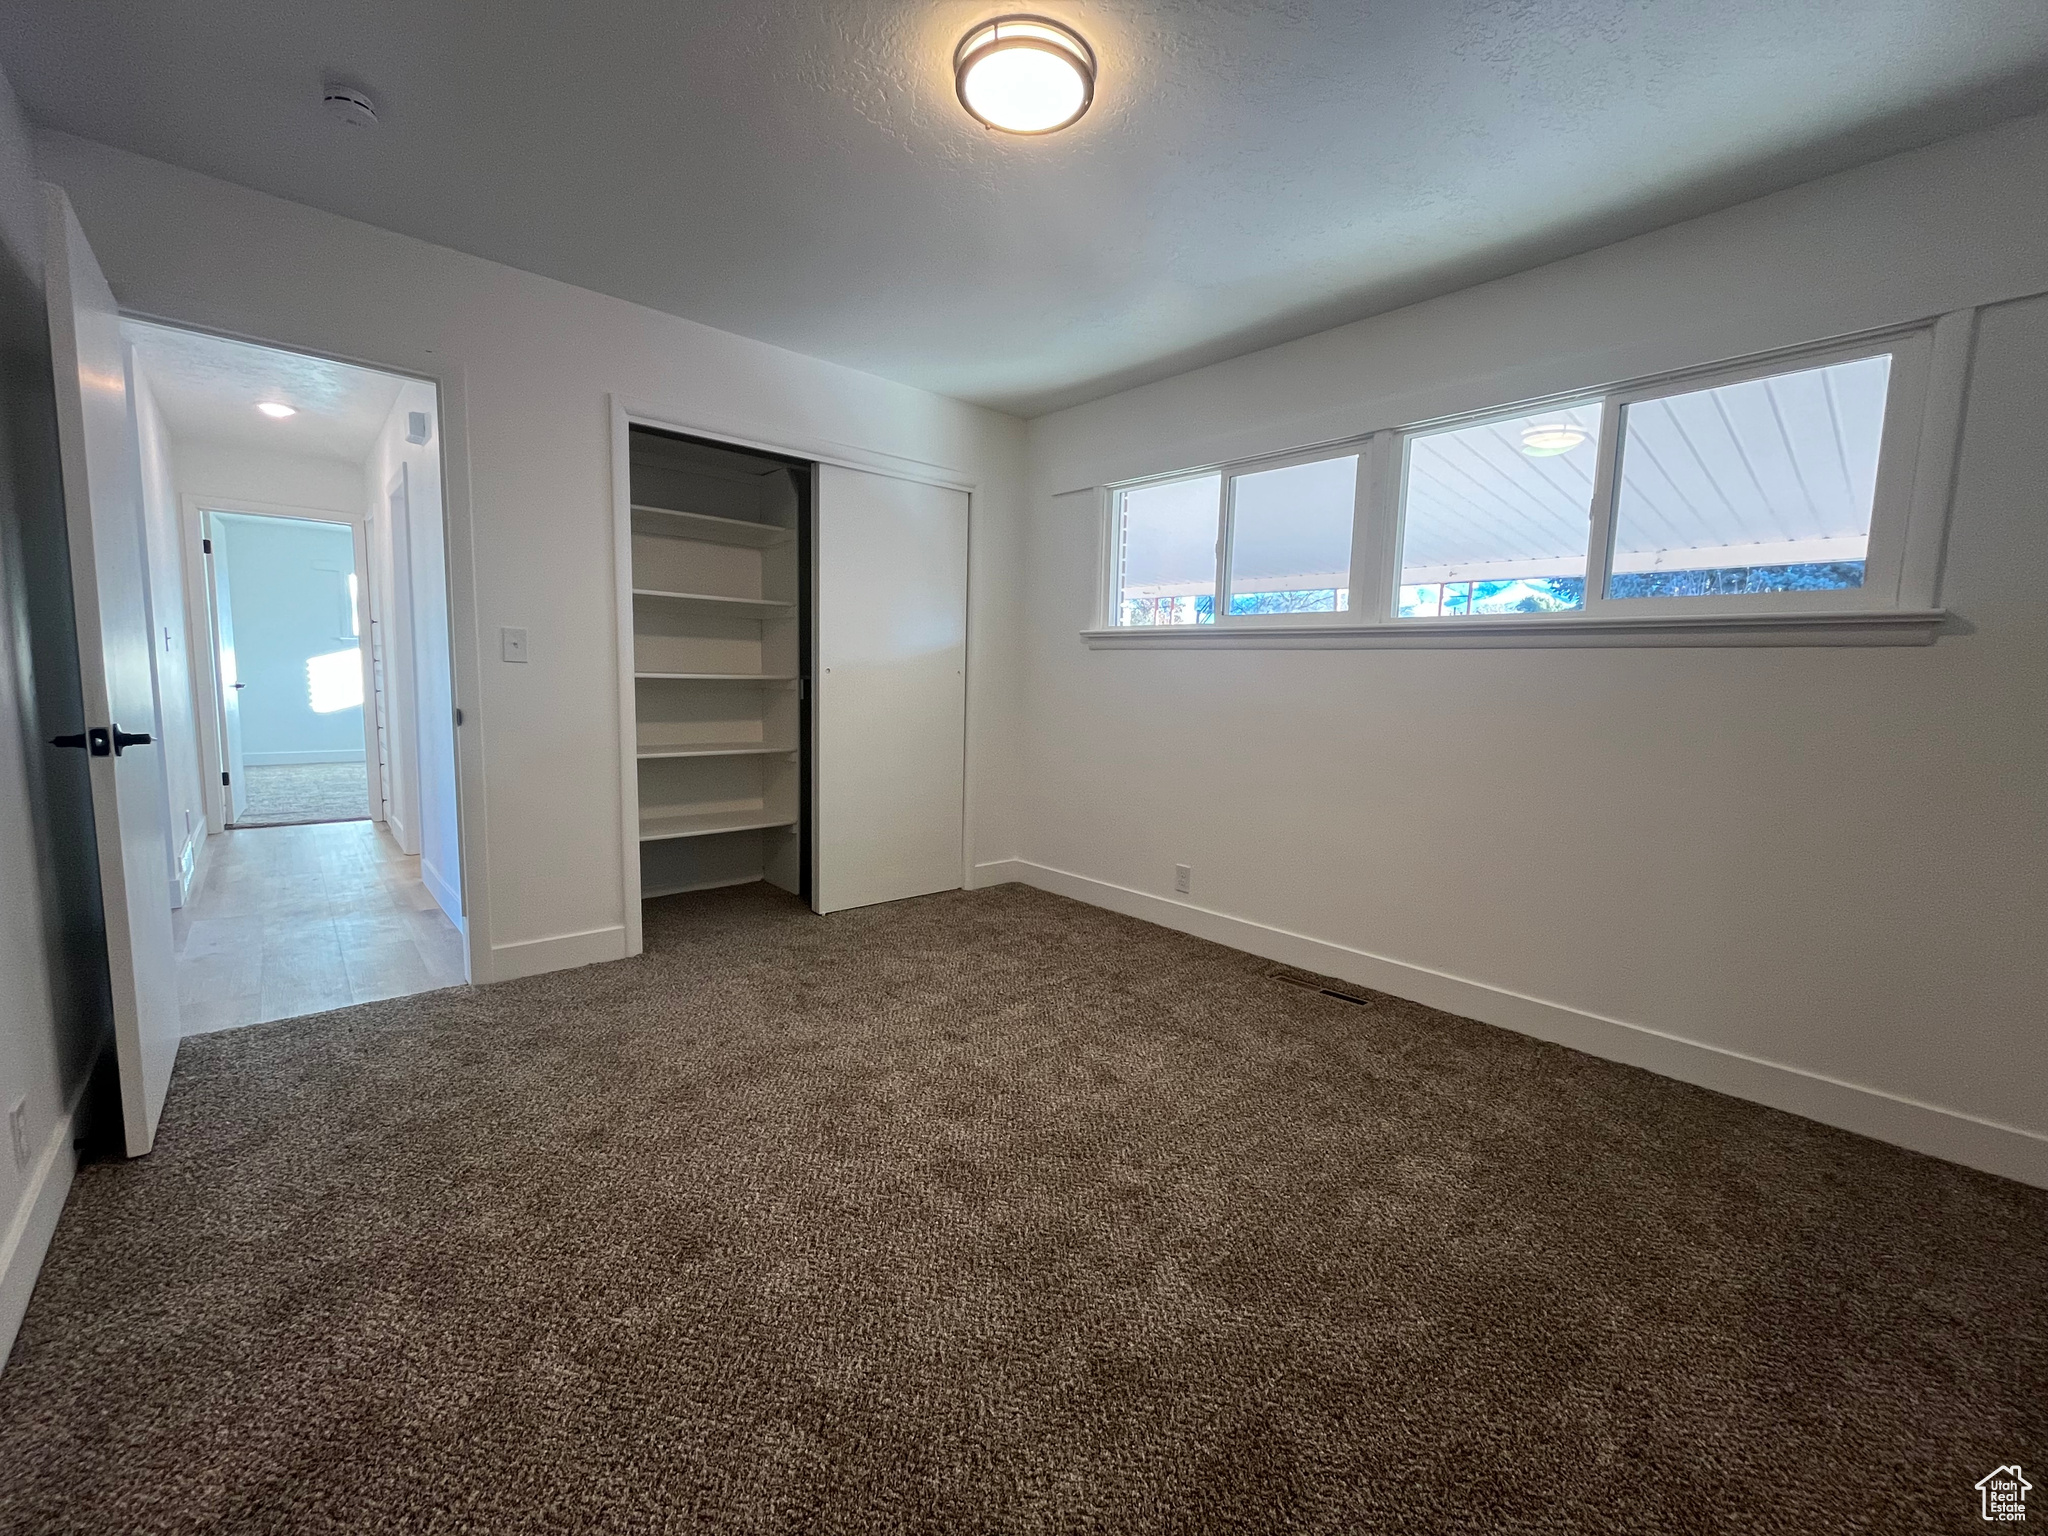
column 1344, row 992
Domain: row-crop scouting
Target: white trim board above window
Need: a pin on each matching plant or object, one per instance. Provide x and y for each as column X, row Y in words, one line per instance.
column 1798, row 498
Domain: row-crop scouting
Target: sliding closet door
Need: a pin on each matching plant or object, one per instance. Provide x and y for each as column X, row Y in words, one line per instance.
column 890, row 573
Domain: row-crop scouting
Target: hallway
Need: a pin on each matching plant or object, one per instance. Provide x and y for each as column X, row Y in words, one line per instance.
column 294, row 920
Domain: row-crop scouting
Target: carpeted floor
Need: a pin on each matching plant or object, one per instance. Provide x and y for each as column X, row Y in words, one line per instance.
column 992, row 1212
column 293, row 794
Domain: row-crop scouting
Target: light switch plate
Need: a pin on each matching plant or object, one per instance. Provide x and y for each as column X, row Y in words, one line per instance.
column 512, row 644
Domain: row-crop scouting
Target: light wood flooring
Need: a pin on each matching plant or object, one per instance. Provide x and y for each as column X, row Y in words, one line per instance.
column 292, row 920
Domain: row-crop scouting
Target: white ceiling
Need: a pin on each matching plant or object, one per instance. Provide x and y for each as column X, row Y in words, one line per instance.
column 800, row 172
column 208, row 388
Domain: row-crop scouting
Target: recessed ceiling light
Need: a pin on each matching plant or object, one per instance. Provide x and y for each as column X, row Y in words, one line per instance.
column 1551, row 438
column 1024, row 74
column 275, row 411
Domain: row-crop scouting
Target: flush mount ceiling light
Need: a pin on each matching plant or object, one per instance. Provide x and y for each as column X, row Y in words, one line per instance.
column 1024, row 74
column 1551, row 438
column 275, row 411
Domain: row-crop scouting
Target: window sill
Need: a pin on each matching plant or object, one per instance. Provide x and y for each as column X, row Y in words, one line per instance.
column 1895, row 627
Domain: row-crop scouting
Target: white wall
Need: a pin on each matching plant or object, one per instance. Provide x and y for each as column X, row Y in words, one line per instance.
column 55, row 1010
column 1824, row 869
column 415, row 581
column 185, row 797
column 230, row 472
column 528, row 365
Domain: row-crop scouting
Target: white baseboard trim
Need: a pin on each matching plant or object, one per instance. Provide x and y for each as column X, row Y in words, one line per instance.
column 562, row 952
column 35, row 1222
column 996, row 872
column 2006, row 1150
column 281, row 759
column 446, row 896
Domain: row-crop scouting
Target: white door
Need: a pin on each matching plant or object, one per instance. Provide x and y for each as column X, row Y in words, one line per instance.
column 103, row 515
column 236, row 791
column 888, row 785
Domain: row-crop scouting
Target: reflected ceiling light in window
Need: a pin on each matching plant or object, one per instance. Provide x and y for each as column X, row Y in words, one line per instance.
column 1024, row 74
column 1548, row 439
column 276, row 411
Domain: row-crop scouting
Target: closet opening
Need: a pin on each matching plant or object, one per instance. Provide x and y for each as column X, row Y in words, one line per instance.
column 717, row 626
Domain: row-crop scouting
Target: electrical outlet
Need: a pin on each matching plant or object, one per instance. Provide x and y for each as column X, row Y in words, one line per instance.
column 1183, row 878
column 512, row 644
column 17, row 1132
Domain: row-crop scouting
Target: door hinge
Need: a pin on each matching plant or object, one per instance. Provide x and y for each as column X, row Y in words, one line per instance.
column 206, row 546
column 458, row 717
column 224, row 777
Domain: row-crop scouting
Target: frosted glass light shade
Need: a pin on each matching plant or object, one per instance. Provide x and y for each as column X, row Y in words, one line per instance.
column 1024, row 74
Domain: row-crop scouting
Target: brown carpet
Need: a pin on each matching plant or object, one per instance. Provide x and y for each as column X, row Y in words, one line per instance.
column 992, row 1212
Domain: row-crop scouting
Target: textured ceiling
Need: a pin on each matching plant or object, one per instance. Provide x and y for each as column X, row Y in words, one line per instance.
column 207, row 389
column 1250, row 172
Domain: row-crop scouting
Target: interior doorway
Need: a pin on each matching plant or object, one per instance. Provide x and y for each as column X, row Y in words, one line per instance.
column 285, row 600
column 294, row 522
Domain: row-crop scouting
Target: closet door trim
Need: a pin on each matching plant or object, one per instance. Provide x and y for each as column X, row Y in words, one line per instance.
column 627, row 412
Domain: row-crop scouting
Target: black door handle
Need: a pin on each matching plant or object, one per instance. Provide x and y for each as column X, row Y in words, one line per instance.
column 124, row 739
column 94, row 740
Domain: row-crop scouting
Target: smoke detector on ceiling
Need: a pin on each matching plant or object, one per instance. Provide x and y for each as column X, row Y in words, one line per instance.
column 348, row 106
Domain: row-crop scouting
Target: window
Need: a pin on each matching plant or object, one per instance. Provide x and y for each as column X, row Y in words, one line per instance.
column 1765, row 485
column 1290, row 537
column 1286, row 529
column 1789, row 491
column 1166, row 552
column 1495, row 515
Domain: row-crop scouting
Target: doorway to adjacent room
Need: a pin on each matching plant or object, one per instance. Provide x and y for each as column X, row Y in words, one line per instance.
column 298, row 500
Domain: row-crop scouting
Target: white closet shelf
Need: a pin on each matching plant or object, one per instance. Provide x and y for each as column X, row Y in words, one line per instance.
column 707, row 529
column 717, row 749
column 659, row 828
column 750, row 605
column 716, row 677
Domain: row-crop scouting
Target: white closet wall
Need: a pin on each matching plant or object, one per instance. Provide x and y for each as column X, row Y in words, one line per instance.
column 890, row 581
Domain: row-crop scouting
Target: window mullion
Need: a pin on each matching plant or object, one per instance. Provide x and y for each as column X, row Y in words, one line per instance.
column 1600, row 523
column 1373, row 534
column 1224, row 488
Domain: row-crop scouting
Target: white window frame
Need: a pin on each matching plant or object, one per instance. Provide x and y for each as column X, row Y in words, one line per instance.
column 1360, row 566
column 1891, row 510
column 1895, row 605
column 1393, row 490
